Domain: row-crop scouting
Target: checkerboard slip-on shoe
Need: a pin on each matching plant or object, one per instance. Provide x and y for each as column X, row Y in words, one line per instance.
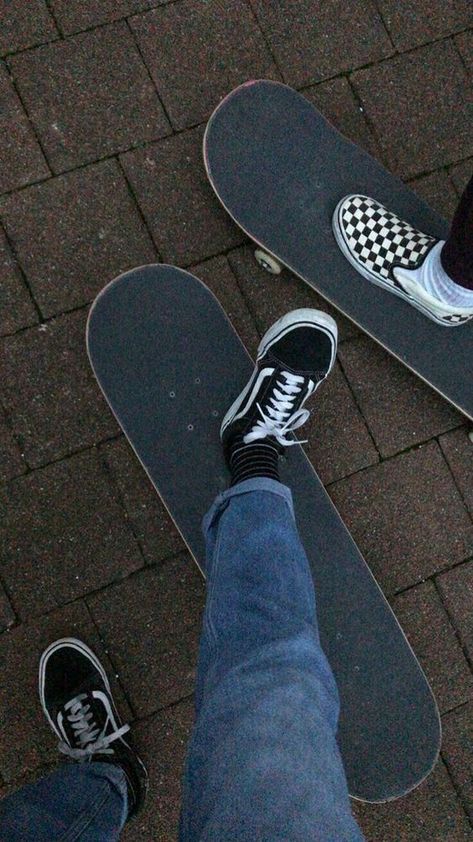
column 376, row 242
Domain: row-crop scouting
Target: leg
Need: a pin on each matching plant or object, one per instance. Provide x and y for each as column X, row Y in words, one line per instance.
column 457, row 253
column 263, row 760
column 85, row 801
column 91, row 798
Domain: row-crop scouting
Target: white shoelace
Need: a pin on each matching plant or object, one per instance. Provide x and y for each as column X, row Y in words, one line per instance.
column 87, row 732
column 277, row 420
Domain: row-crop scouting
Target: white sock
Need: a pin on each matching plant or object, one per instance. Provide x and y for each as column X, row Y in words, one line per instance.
column 433, row 277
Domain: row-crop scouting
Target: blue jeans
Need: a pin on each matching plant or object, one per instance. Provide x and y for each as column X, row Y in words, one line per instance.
column 263, row 763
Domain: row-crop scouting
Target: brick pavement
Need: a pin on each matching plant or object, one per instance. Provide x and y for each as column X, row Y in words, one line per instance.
column 103, row 108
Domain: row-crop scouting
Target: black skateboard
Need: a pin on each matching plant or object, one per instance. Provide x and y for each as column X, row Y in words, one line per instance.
column 170, row 364
column 280, row 169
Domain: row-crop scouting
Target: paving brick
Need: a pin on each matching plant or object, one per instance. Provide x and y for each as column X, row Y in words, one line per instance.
column 312, row 39
column 74, row 233
column 406, row 516
column 50, row 393
column 415, row 22
column 438, row 191
column 7, row 616
column 432, row 813
column 399, row 409
column 218, row 276
column 73, row 17
column 151, row 524
column 25, row 25
column 457, row 750
column 458, row 451
column 337, row 102
column 419, row 109
column 16, row 307
column 26, row 740
column 456, row 588
column 54, row 405
column 464, row 43
column 162, row 742
column 196, row 54
column 89, row 96
column 151, row 625
column 29, row 776
column 269, row 297
column 65, row 535
column 432, row 636
column 461, row 174
column 21, row 159
column 186, row 220
column 11, row 463
column 338, row 441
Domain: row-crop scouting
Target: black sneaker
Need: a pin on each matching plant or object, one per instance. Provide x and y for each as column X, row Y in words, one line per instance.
column 294, row 356
column 76, row 698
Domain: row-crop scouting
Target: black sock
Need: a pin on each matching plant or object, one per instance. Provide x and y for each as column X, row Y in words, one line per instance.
column 258, row 459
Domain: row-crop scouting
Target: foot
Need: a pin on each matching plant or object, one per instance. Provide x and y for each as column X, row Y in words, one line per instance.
column 392, row 254
column 77, row 701
column 295, row 355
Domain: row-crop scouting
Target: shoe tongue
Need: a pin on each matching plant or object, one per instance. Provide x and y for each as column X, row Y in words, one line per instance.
column 305, row 374
column 284, row 366
column 83, row 688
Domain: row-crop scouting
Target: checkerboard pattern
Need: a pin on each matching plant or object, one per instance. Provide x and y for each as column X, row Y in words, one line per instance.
column 378, row 239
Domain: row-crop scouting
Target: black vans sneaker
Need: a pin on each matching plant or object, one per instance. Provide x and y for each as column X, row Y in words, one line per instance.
column 76, row 698
column 295, row 355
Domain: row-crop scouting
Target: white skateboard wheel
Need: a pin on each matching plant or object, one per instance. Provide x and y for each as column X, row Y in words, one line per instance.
column 267, row 262
column 470, row 435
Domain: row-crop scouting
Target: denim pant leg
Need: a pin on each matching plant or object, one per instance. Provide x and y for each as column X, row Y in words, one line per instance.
column 79, row 801
column 457, row 253
column 263, row 763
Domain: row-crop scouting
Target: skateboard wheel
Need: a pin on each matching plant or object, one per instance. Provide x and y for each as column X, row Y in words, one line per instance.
column 470, row 435
column 267, row 262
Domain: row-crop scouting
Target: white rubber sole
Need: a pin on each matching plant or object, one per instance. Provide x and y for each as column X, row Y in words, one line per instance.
column 375, row 279
column 303, row 316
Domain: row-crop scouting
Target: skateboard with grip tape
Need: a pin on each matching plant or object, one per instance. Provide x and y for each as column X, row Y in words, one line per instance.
column 280, row 169
column 170, row 364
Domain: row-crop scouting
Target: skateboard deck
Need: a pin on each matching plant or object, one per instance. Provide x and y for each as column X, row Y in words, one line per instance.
column 279, row 168
column 170, row 364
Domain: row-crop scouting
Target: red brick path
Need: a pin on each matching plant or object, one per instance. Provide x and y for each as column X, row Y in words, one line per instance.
column 103, row 108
